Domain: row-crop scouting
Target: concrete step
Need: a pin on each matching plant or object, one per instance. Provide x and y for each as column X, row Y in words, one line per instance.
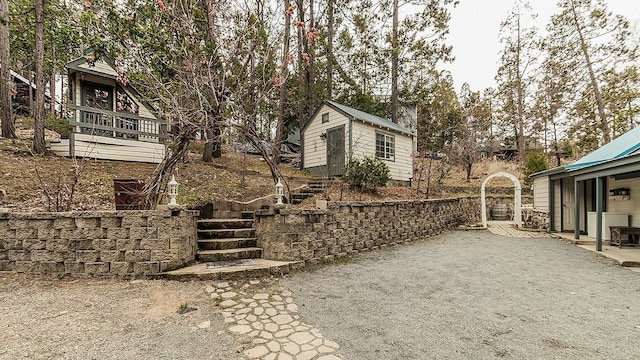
column 247, row 215
column 226, row 244
column 60, row 147
column 227, row 233
column 259, row 268
column 230, row 214
column 228, row 254
column 217, row 224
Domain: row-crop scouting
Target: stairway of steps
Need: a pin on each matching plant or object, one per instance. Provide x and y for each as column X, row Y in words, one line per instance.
column 313, row 187
column 229, row 236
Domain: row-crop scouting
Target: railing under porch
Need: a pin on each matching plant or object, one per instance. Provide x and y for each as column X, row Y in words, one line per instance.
column 86, row 120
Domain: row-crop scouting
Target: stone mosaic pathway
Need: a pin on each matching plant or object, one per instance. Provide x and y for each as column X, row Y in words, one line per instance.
column 270, row 319
column 507, row 228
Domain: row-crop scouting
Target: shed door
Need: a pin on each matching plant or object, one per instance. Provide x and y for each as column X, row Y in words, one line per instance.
column 568, row 204
column 335, row 151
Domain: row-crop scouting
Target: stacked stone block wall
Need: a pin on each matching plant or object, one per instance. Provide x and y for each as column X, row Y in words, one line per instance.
column 535, row 219
column 116, row 243
column 347, row 228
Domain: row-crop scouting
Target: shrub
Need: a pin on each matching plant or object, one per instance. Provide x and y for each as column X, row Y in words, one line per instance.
column 60, row 126
column 536, row 161
column 366, row 173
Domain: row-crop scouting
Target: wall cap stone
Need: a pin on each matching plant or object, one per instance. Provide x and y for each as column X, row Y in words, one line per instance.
column 90, row 214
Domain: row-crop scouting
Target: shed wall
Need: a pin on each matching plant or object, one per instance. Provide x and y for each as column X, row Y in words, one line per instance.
column 364, row 144
column 541, row 193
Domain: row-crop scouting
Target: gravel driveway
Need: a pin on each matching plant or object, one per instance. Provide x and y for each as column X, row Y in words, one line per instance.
column 461, row 295
column 475, row 295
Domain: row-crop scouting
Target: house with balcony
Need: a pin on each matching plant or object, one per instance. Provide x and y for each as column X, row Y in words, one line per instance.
column 108, row 118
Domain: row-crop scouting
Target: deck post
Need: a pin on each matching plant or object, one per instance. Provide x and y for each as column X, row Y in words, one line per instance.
column 599, row 190
column 576, row 215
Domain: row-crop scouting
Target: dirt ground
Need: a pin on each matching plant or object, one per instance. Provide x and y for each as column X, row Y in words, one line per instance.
column 51, row 318
column 45, row 183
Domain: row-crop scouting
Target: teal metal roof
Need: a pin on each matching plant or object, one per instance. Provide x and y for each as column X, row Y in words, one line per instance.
column 622, row 146
column 372, row 119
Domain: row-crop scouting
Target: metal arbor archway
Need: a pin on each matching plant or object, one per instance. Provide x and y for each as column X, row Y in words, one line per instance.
column 517, row 201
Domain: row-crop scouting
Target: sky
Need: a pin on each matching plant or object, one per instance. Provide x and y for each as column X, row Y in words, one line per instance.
column 474, row 29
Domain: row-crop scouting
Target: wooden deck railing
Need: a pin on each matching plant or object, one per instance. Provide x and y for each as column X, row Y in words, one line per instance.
column 86, row 120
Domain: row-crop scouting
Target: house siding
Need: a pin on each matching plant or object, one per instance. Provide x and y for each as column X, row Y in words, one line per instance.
column 541, row 193
column 631, row 206
column 107, row 148
column 100, row 66
column 315, row 148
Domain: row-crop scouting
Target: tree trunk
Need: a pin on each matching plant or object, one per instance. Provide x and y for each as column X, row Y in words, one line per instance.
column 39, row 145
column 284, row 74
column 207, row 153
column 395, row 52
column 329, row 48
column 213, row 132
column 217, row 140
column 310, row 69
column 52, row 87
column 555, row 142
column 520, row 93
column 8, row 125
column 606, row 133
column 302, row 69
column 153, row 189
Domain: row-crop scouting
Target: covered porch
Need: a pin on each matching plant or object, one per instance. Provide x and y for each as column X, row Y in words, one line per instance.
column 625, row 256
column 628, row 257
column 597, row 196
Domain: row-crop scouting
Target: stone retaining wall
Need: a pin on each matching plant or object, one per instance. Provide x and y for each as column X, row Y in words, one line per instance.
column 116, row 243
column 535, row 219
column 347, row 228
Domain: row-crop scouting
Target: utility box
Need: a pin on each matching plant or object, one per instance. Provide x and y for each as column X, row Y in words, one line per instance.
column 129, row 194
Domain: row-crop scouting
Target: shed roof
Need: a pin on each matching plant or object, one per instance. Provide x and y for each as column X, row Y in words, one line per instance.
column 366, row 117
column 624, row 145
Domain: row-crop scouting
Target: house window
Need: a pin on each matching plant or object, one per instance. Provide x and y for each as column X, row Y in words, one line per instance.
column 100, row 99
column 124, row 102
column 325, row 118
column 385, row 146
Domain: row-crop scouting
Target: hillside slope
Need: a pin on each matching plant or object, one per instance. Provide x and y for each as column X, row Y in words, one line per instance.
column 43, row 183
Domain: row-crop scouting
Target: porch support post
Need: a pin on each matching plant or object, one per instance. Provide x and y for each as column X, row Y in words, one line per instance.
column 552, row 201
column 599, row 189
column 483, row 214
column 517, row 206
column 576, row 222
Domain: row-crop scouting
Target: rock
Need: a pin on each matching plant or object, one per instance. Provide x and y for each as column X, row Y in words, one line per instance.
column 204, row 324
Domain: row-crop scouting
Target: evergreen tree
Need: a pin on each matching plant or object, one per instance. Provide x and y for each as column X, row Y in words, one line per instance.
column 514, row 76
column 590, row 41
